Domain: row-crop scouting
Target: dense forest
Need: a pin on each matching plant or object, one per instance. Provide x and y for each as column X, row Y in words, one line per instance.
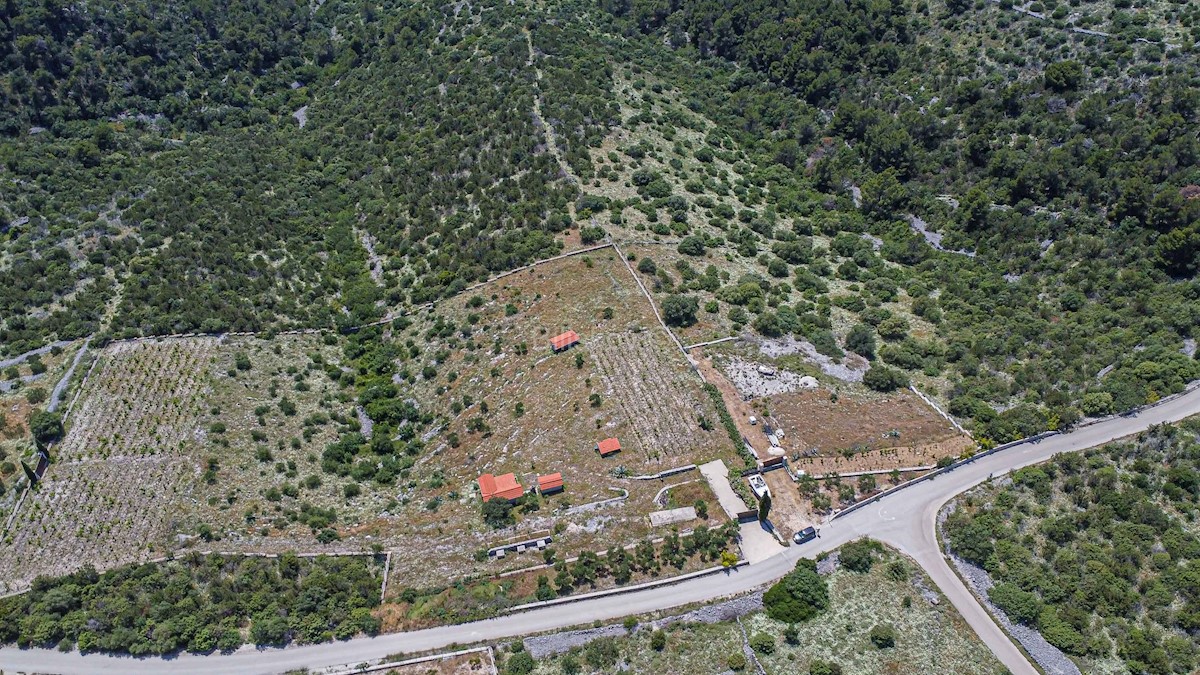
column 995, row 204
column 1061, row 163
column 197, row 603
column 1099, row 550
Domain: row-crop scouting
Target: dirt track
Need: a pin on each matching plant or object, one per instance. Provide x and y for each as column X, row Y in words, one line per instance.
column 739, row 409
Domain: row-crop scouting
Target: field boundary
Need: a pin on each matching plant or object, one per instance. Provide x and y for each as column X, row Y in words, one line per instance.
column 653, row 307
column 1193, row 385
column 713, row 342
column 930, row 402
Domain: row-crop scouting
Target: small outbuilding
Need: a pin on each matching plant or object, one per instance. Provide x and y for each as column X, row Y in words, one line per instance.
column 550, row 484
column 504, row 486
column 608, row 447
column 564, row 341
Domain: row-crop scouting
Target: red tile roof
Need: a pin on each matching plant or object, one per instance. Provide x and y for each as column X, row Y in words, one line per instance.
column 608, row 446
column 505, row 486
column 564, row 340
column 550, row 482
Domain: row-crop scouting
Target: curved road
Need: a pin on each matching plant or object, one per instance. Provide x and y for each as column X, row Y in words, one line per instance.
column 904, row 519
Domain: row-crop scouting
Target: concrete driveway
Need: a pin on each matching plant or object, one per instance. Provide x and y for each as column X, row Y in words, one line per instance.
column 758, row 544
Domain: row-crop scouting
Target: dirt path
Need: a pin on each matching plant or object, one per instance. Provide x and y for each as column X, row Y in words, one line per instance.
column 56, row 396
column 739, row 409
column 540, row 122
column 20, row 358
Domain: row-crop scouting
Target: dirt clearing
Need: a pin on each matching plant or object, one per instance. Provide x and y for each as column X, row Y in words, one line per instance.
column 827, row 432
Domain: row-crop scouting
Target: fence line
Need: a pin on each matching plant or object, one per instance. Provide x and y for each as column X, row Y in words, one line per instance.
column 930, row 402
column 713, row 342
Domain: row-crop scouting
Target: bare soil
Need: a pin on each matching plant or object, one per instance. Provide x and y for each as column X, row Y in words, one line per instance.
column 740, row 409
column 861, row 432
column 790, row 512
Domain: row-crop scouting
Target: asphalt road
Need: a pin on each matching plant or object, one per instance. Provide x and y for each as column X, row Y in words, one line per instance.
column 904, row 519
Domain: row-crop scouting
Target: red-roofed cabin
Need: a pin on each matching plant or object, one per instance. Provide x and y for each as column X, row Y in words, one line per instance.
column 608, row 446
column 564, row 341
column 550, row 483
column 504, row 487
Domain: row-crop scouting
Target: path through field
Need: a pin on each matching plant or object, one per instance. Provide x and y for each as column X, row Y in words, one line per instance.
column 56, row 395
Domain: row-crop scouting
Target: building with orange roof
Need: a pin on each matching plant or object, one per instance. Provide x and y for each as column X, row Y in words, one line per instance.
column 564, row 341
column 550, row 483
column 608, row 446
column 504, row 487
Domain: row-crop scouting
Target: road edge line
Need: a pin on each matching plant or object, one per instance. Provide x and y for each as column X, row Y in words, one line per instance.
column 624, row 589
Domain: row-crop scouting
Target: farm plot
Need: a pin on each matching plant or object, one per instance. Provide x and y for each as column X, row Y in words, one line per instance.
column 853, row 431
column 168, row 436
column 143, row 398
column 99, row 513
column 502, row 402
column 656, row 397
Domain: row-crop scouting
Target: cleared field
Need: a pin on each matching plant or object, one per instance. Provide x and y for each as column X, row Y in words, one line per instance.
column 217, row 443
column 859, row 432
column 503, row 402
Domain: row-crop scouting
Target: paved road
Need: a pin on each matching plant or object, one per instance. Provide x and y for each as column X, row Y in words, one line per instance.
column 904, row 519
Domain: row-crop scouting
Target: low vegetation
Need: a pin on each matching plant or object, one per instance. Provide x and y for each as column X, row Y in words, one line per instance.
column 874, row 621
column 197, row 603
column 1098, row 551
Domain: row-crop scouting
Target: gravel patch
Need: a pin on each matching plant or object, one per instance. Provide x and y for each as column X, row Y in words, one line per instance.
column 550, row 645
column 752, row 382
column 934, row 239
column 851, row 369
column 592, row 526
column 1050, row 658
column 931, row 596
column 725, row 611
column 829, row 564
column 366, row 426
column 9, row 385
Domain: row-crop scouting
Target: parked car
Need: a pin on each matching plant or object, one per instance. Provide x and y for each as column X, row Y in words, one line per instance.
column 807, row 534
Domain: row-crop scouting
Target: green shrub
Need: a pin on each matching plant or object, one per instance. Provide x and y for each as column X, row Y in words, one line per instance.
column 799, row 596
column 883, row 636
column 762, row 643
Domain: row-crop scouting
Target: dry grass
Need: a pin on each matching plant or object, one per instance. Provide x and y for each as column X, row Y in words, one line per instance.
column 861, row 431
column 476, row 663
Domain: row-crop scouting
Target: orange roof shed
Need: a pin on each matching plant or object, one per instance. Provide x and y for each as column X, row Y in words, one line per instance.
column 504, row 486
column 550, row 483
column 608, row 446
column 564, row 340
